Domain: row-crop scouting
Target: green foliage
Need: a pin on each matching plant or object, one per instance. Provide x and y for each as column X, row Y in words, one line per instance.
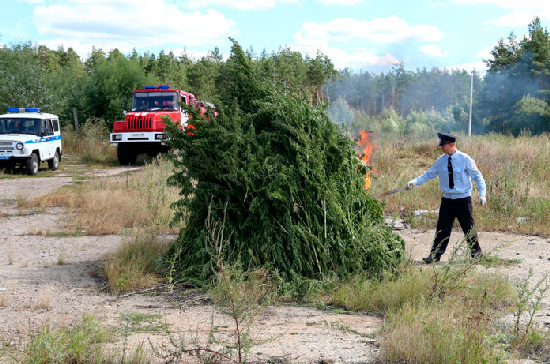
column 530, row 114
column 58, row 81
column 516, row 70
column 110, row 82
column 284, row 179
column 23, row 81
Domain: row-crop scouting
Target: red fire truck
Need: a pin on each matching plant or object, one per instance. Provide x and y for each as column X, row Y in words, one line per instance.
column 142, row 130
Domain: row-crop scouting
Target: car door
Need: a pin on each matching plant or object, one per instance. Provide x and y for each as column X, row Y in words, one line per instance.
column 47, row 147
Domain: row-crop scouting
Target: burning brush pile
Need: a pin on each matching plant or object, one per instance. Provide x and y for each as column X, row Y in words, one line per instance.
column 273, row 182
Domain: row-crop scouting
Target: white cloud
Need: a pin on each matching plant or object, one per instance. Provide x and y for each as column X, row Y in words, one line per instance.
column 357, row 58
column 433, row 50
column 380, row 30
column 522, row 12
column 485, row 53
column 128, row 24
column 519, row 18
column 238, row 4
column 508, row 4
column 364, row 59
column 340, row 2
column 479, row 67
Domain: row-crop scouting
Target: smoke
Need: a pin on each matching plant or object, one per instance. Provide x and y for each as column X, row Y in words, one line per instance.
column 402, row 101
column 515, row 98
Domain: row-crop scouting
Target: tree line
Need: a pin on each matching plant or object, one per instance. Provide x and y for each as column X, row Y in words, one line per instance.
column 59, row 80
column 511, row 98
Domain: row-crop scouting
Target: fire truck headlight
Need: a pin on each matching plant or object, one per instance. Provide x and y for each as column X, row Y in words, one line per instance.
column 160, row 136
column 19, row 146
column 117, row 137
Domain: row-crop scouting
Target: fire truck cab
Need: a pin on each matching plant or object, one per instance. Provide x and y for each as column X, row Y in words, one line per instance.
column 142, row 130
column 28, row 137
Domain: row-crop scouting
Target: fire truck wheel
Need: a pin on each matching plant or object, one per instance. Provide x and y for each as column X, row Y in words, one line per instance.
column 54, row 162
column 126, row 156
column 32, row 165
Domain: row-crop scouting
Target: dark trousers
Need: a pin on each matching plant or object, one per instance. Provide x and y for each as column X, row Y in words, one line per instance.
column 460, row 208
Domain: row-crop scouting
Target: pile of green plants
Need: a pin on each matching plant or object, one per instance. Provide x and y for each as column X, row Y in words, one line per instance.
column 272, row 182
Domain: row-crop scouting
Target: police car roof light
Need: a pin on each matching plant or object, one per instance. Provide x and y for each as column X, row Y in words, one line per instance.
column 23, row 109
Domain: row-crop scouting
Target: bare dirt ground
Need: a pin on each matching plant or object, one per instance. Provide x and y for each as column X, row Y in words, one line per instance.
column 52, row 279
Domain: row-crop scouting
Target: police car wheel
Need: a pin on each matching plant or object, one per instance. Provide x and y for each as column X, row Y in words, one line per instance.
column 54, row 162
column 32, row 165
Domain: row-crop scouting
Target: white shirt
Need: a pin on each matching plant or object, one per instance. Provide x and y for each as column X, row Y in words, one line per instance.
column 464, row 171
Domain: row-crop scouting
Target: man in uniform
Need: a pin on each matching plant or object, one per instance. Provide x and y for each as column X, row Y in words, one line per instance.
column 455, row 170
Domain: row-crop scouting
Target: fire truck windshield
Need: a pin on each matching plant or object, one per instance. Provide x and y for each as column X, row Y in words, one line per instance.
column 153, row 101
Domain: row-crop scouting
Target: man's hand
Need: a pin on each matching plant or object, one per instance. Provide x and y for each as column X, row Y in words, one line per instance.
column 410, row 185
column 482, row 200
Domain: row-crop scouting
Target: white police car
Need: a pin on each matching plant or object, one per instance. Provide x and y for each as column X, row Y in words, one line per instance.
column 28, row 137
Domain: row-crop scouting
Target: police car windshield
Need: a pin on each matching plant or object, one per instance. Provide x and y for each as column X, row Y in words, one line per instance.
column 156, row 100
column 19, row 126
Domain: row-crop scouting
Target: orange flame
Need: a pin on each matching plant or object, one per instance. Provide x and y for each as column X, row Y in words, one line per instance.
column 365, row 140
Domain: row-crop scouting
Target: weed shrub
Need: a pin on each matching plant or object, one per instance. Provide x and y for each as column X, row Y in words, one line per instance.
column 133, row 264
column 79, row 344
column 284, row 180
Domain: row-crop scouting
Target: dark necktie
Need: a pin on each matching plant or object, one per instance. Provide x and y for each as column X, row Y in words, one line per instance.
column 451, row 182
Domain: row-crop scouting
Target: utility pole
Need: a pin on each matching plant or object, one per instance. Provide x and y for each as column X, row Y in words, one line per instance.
column 471, row 97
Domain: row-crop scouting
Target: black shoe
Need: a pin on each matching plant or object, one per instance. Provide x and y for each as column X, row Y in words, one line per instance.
column 476, row 255
column 431, row 258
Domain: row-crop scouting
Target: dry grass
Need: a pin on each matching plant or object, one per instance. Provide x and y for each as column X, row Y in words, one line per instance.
column 438, row 332
column 373, row 296
column 5, row 297
column 91, row 145
column 451, row 323
column 111, row 205
column 61, row 258
column 442, row 314
column 43, row 301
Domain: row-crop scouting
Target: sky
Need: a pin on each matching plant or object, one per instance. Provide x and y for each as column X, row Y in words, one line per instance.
column 362, row 35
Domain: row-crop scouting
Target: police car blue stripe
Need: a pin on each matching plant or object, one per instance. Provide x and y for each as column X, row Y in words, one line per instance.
column 42, row 140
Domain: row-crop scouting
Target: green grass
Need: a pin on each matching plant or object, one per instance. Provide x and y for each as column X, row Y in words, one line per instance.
column 83, row 343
